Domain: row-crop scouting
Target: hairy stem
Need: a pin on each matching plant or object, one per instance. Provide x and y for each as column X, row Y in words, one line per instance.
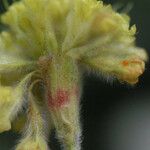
column 63, row 95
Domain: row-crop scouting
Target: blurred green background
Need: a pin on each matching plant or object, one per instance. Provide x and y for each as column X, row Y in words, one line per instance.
column 114, row 116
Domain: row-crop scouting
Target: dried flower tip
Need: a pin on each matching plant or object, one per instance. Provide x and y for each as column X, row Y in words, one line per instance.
column 133, row 69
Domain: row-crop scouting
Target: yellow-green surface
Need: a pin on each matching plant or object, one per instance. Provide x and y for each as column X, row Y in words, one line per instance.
column 47, row 42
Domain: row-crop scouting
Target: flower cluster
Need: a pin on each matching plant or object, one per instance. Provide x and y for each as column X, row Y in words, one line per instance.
column 40, row 57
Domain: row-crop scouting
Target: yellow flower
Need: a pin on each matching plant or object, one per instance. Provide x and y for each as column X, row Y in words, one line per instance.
column 40, row 57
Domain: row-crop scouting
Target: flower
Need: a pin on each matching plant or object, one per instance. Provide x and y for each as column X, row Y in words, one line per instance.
column 40, row 57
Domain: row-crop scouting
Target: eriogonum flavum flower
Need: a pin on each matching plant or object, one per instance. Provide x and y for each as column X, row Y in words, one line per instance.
column 40, row 57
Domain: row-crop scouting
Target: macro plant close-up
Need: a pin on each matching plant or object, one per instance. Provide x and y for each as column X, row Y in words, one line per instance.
column 46, row 48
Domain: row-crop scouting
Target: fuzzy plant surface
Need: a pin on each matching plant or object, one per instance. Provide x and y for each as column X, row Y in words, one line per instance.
column 43, row 53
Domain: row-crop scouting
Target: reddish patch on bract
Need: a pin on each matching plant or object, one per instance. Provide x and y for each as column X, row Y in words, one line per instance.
column 61, row 98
